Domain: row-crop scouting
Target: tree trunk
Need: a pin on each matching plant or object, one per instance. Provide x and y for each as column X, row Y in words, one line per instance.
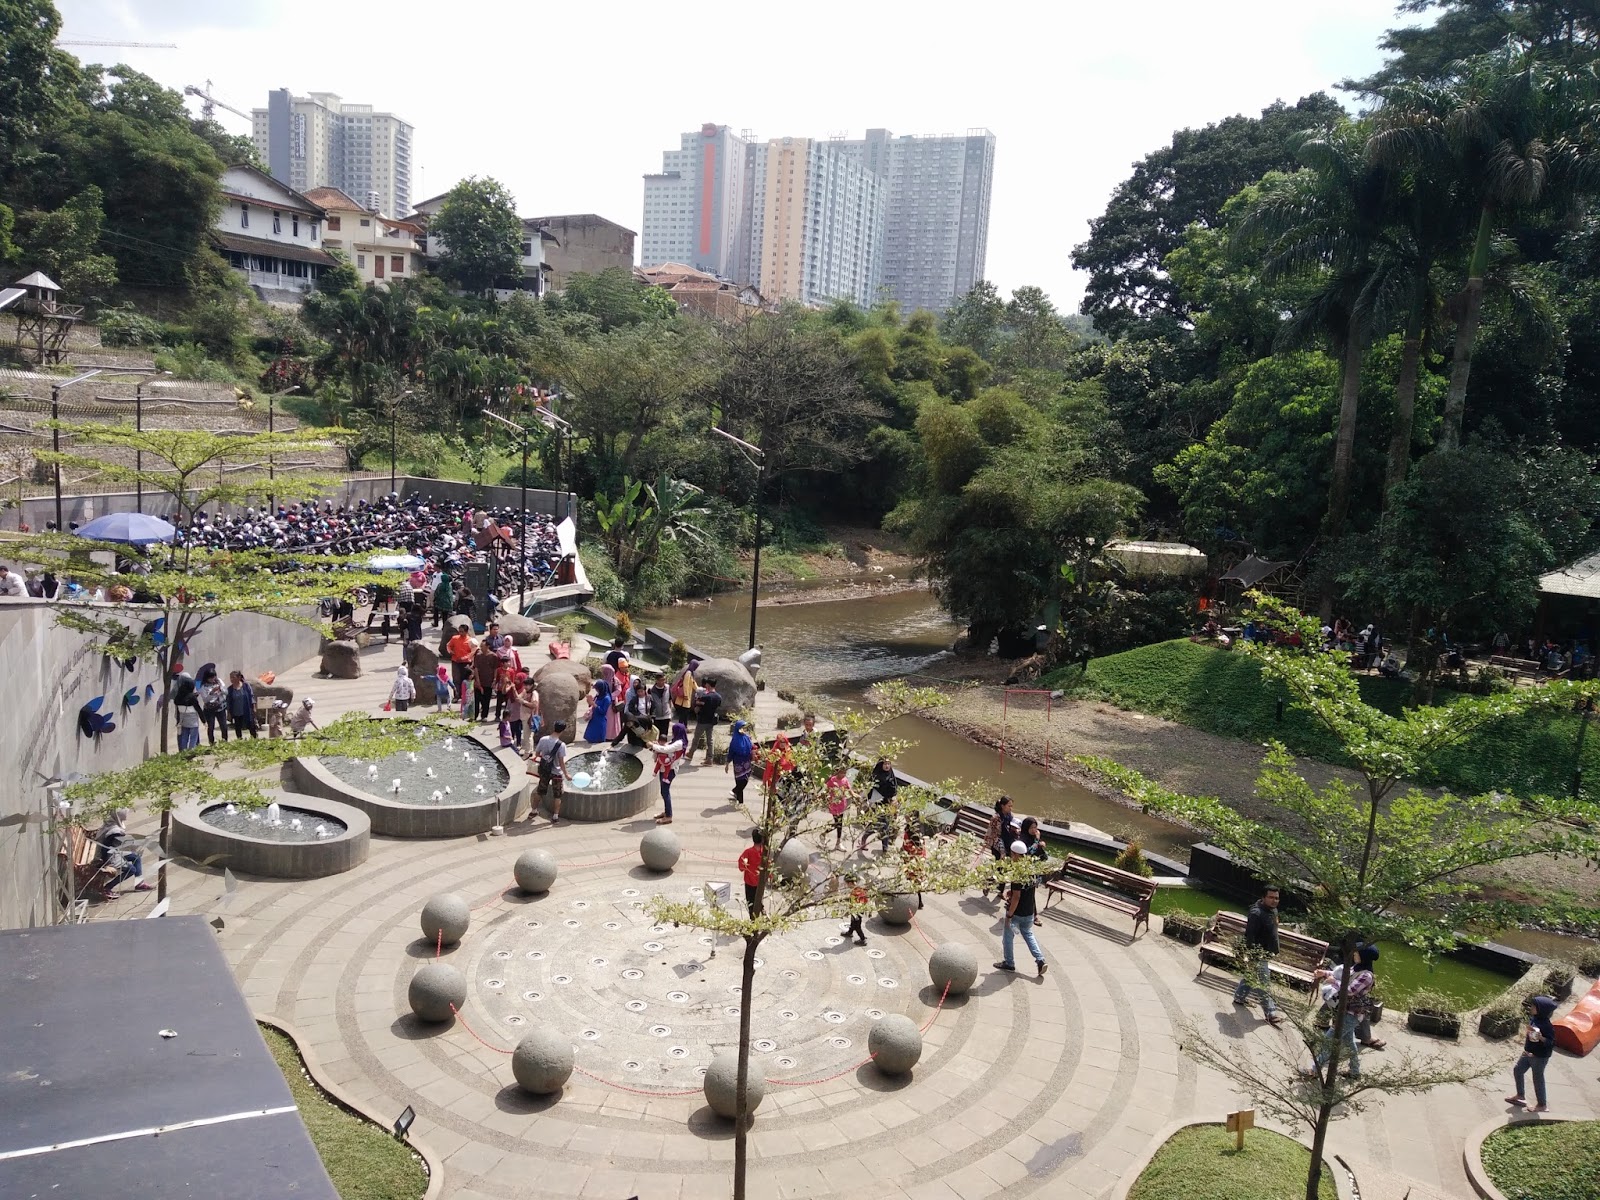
column 1325, row 1109
column 741, row 1125
column 1455, row 402
column 1405, row 404
column 1344, row 445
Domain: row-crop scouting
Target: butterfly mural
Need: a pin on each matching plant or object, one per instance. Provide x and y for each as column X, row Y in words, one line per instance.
column 92, row 722
column 130, row 697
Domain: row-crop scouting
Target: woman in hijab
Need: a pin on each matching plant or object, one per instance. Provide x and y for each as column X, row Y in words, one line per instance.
column 668, row 755
column 594, row 732
column 608, row 677
column 683, row 687
column 741, row 758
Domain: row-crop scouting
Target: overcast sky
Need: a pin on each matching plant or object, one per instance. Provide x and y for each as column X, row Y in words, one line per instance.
column 569, row 106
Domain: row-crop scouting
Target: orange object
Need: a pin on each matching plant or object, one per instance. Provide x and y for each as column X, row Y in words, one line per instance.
column 1579, row 1031
column 560, row 650
column 266, row 677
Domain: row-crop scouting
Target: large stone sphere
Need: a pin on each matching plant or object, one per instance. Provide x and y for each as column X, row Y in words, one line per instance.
column 793, row 859
column 722, row 1085
column 445, row 913
column 953, row 965
column 898, row 909
column 542, row 1062
column 434, row 989
column 659, row 850
column 895, row 1044
column 535, row 870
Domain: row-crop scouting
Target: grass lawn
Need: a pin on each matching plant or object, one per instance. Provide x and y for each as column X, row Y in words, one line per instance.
column 1545, row 1160
column 363, row 1160
column 1200, row 1163
column 1223, row 692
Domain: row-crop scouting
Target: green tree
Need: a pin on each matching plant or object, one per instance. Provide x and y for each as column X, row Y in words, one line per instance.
column 65, row 243
column 1558, row 31
column 481, row 235
column 38, row 87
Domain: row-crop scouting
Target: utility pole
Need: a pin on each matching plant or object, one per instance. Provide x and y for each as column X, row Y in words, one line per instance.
column 757, row 458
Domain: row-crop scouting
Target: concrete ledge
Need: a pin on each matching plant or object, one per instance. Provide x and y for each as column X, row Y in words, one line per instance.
column 1472, row 1153
column 615, row 805
column 1337, row 1172
column 430, row 1161
column 194, row 837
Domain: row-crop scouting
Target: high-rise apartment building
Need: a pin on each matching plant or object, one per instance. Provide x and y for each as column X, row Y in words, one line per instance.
column 320, row 141
column 815, row 220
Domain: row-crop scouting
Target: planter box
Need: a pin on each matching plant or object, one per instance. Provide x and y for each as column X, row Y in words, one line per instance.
column 1188, row 934
column 1559, row 990
column 1492, row 1026
column 1446, row 1025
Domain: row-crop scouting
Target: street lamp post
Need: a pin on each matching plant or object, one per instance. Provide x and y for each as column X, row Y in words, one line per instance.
column 522, row 530
column 757, row 458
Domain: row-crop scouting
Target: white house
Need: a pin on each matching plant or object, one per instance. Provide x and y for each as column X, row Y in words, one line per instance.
column 380, row 249
column 271, row 234
column 536, row 271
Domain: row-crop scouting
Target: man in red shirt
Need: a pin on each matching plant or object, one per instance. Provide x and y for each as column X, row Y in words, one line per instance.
column 750, row 864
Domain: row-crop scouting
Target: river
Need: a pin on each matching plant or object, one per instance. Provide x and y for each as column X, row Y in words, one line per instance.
column 835, row 651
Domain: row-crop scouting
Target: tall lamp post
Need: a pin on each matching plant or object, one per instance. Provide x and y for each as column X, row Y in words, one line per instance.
column 522, row 531
column 394, row 432
column 272, row 491
column 757, row 458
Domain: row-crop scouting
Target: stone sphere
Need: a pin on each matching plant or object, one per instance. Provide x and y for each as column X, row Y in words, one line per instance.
column 955, row 965
column 659, row 850
column 542, row 1062
column 445, row 913
column 793, row 859
column 535, row 870
column 898, row 909
column 434, row 989
column 722, row 1085
column 895, row 1044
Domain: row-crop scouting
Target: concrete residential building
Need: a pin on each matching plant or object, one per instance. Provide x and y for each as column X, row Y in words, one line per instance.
column 321, row 141
column 380, row 249
column 270, row 234
column 584, row 244
column 697, row 210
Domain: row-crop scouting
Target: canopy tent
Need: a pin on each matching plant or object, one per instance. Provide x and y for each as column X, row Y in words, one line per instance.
column 1252, row 571
column 1157, row 558
column 131, row 529
column 394, row 562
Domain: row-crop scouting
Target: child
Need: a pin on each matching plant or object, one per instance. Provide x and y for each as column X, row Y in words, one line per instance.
column 275, row 718
column 188, row 728
column 838, row 803
column 302, row 718
column 404, row 690
column 507, row 739
column 858, row 897
column 441, row 687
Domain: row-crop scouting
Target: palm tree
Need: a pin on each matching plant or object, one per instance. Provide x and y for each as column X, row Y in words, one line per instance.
column 1508, row 133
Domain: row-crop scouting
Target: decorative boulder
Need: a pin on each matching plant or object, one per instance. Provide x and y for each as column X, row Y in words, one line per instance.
column 898, row 909
column 341, row 660
column 271, row 691
column 445, row 914
column 793, row 859
column 562, row 684
column 437, row 992
column 542, row 1062
column 895, row 1044
column 659, row 850
column 722, row 1086
column 422, row 664
column 535, row 870
column 523, row 631
column 734, row 683
column 954, row 967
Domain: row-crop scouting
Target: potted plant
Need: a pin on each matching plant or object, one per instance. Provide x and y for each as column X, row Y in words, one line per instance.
column 1435, row 1013
column 1558, row 979
column 1375, row 1008
column 1502, row 1018
column 1589, row 960
column 1184, row 927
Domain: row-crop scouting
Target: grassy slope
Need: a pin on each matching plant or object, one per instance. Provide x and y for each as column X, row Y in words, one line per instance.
column 1222, row 692
column 1200, row 1163
column 363, row 1161
column 1541, row 1160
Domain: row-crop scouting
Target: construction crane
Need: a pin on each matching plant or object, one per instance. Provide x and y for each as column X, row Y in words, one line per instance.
column 134, row 45
column 209, row 103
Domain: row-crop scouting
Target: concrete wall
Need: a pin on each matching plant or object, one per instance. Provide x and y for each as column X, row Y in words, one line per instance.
column 585, row 243
column 50, row 674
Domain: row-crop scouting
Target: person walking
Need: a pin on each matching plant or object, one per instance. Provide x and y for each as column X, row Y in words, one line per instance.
column 750, row 864
column 858, row 899
column 241, row 705
column 213, row 704
column 741, row 759
column 1001, row 833
column 517, row 708
column 707, row 706
column 461, row 649
column 1260, row 944
column 1358, row 999
column 444, row 598
column 485, row 663
column 550, row 757
column 1537, row 1047
column 188, row 728
column 916, row 855
column 669, row 754
column 1021, row 909
column 885, row 786
column 838, row 788
column 403, row 691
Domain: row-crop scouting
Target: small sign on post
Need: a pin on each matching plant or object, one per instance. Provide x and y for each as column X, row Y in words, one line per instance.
column 1238, row 1122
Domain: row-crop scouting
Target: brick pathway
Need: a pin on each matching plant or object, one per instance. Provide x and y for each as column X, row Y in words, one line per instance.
column 1027, row 1088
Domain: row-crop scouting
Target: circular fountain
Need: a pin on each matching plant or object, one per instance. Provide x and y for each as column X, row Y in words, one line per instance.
column 450, row 785
column 292, row 838
column 608, row 785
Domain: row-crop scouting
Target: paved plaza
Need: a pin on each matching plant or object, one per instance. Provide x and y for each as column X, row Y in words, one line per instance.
column 1026, row 1087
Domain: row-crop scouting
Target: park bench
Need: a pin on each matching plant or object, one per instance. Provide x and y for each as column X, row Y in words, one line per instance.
column 1097, row 883
column 967, row 820
column 1297, row 957
column 85, row 870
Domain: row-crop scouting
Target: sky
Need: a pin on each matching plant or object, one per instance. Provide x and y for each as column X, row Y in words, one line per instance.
column 570, row 107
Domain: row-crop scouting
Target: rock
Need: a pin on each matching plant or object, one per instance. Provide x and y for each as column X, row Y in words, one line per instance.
column 542, row 1062
column 895, row 1044
column 422, row 664
column 341, row 660
column 721, row 1086
column 659, row 849
column 563, row 685
column 434, row 989
column 523, row 631
column 271, row 691
column 955, row 966
column 734, row 684
column 535, row 870
column 898, row 909
column 793, row 859
column 447, row 913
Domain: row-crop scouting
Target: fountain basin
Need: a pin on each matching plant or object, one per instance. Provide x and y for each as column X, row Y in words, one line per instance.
column 207, row 832
column 414, row 811
column 624, row 785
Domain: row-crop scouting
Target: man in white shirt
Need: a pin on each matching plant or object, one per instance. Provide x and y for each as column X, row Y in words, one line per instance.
column 12, row 584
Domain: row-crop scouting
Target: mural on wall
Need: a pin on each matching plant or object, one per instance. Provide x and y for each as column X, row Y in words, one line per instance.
column 92, row 722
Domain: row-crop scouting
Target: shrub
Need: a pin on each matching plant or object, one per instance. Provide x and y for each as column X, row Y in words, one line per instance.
column 1131, row 858
column 1434, row 1004
column 126, row 326
column 1558, row 979
column 624, row 625
column 1589, row 960
column 1501, row 1019
column 608, row 591
column 1184, row 926
column 189, row 361
column 677, row 655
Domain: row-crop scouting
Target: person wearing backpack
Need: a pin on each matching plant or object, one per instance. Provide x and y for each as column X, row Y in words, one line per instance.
column 550, row 758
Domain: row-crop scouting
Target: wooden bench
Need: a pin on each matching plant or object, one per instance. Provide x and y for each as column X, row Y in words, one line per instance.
column 966, row 820
column 85, row 871
column 1297, row 957
column 1099, row 884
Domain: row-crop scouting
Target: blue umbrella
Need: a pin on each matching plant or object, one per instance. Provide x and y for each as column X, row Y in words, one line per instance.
column 132, row 529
